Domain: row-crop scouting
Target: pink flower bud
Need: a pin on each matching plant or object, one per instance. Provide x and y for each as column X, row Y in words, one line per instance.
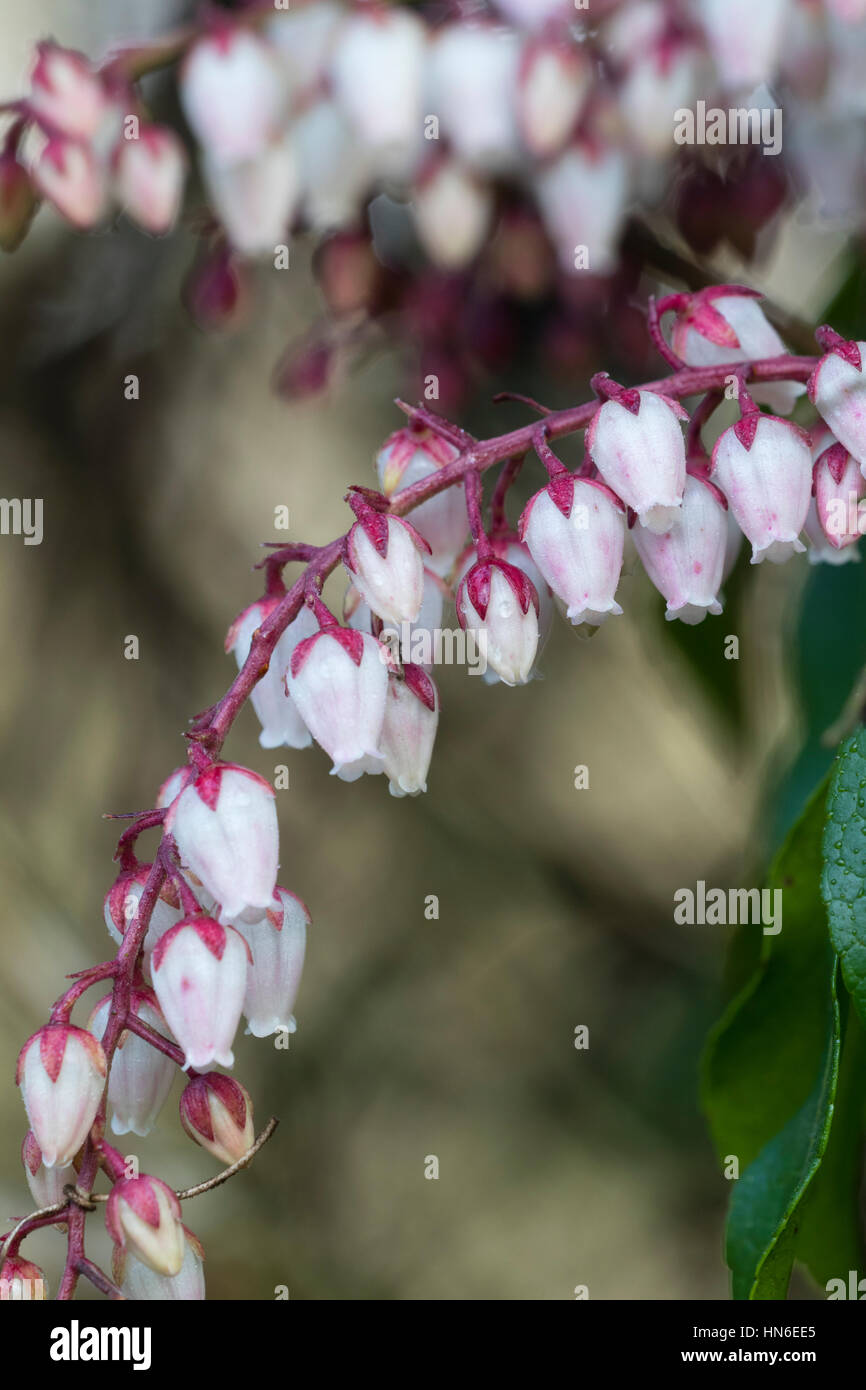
column 232, row 94
column 377, row 71
column 46, row 1184
column 142, row 1216
column 686, row 563
column 838, row 390
column 452, row 208
column 409, row 730
column 498, row 600
column 384, row 559
column 554, row 81
column 66, row 95
column 21, row 1281
column 338, row 680
column 764, row 467
column 277, row 944
column 61, row 1072
column 68, row 175
column 725, row 323
column 745, row 39
column 409, row 456
column 140, row 1076
column 303, row 38
column 225, row 825
column 281, row 723
column 582, row 196
column 149, row 174
column 472, row 73
column 661, row 80
column 216, row 290
column 216, row 1111
column 200, row 974
column 639, row 451
column 575, row 532
column 121, row 907
column 839, row 486
column 141, row 1283
column 17, row 202
column 514, row 552
column 255, row 198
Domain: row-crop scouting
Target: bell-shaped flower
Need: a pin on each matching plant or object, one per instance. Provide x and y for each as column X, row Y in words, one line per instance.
column 764, row 467
column 225, row 825
column 200, row 975
column 414, row 642
column 377, row 76
column 138, row 1281
column 256, row 198
column 472, row 73
column 66, row 96
column 281, row 723
column 725, row 323
column 583, row 196
column 686, row 563
column 452, row 207
column 121, row 906
column 303, row 38
column 216, row 1112
column 61, row 1072
column 508, row 548
column 554, row 80
column 277, row 944
column 149, row 175
column 574, row 530
column 637, row 446
column 233, row 94
column 409, row 730
column 140, row 1076
column 410, row 456
column 839, row 488
column 21, row 1281
column 838, row 390
column 338, row 679
column 142, row 1216
column 498, row 602
column 46, row 1184
column 384, row 558
column 745, row 39
column 68, row 174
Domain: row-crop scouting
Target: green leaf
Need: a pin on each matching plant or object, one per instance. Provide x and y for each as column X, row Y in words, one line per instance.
column 844, row 879
column 770, row 1087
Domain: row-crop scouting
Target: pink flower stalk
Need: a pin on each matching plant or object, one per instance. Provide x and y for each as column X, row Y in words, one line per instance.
column 256, row 197
column 121, row 907
column 66, row 96
column 338, row 680
column 232, row 94
column 138, row 1281
column 637, row 446
column 61, row 1071
column 377, row 71
column 409, row 456
column 142, row 1216
column 452, row 208
column 18, row 201
column 278, row 715
column 499, row 603
column 200, row 974
column 725, row 323
column 140, row 1077
column 839, row 487
column 217, row 1113
column 68, row 175
column 574, row 530
column 46, row 1184
column 553, row 83
column 21, row 1281
column 149, row 173
column 764, row 467
column 277, row 944
column 409, row 730
column 384, row 558
column 838, row 390
column 686, row 563
column 225, row 825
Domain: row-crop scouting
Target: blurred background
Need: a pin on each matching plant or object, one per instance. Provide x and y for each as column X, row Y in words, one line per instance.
column 453, row 1037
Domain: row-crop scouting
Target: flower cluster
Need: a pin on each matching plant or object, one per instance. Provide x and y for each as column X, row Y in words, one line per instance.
column 205, row 935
